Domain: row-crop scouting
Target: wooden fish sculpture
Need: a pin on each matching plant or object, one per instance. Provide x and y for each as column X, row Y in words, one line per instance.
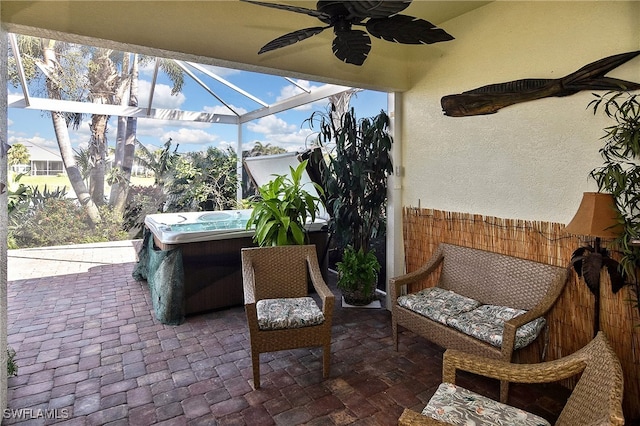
column 489, row 99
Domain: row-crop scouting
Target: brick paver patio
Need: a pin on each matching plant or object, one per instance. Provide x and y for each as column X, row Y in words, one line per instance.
column 90, row 352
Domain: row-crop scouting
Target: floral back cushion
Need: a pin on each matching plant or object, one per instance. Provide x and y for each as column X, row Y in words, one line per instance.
column 437, row 304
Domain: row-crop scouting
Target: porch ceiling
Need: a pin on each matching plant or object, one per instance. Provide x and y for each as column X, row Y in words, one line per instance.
column 228, row 33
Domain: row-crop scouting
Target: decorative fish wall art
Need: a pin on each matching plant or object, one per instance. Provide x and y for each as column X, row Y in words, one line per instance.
column 489, row 99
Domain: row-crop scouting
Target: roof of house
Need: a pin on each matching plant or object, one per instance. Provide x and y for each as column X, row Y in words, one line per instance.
column 39, row 153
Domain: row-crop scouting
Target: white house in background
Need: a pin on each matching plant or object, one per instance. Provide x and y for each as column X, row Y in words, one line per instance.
column 42, row 161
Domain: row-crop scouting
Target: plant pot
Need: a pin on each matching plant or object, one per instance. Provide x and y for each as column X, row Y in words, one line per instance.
column 358, row 297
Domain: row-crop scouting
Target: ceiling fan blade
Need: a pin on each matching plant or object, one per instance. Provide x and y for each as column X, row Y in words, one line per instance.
column 376, row 9
column 303, row 10
column 351, row 46
column 291, row 38
column 406, row 30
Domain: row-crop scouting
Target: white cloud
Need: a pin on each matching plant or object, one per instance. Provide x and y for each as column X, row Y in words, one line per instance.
column 80, row 137
column 223, row 145
column 162, row 97
column 278, row 132
column 147, row 68
column 270, row 125
column 223, row 110
column 291, row 90
column 185, row 136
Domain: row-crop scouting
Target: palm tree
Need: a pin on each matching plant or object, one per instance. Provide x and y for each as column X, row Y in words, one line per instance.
column 126, row 142
column 54, row 72
column 63, row 70
column 100, row 78
column 264, row 149
column 159, row 162
column 103, row 79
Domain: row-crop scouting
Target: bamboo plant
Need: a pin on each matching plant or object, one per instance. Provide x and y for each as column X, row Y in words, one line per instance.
column 620, row 174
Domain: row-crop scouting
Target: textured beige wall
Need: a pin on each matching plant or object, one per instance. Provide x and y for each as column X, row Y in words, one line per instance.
column 530, row 160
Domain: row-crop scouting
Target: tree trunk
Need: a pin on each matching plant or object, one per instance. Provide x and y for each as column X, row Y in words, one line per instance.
column 64, row 142
column 124, row 87
column 97, row 157
column 103, row 78
column 129, row 144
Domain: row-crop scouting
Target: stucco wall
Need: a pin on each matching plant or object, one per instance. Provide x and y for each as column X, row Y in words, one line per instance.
column 530, row 160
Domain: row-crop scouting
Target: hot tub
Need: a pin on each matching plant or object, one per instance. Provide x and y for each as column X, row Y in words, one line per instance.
column 207, row 247
column 192, row 227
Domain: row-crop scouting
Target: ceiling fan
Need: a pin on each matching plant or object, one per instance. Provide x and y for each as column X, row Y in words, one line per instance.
column 380, row 18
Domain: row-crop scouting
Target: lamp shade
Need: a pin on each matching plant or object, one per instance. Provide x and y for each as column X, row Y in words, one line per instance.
column 597, row 216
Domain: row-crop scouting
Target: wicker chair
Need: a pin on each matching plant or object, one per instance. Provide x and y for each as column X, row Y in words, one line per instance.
column 280, row 275
column 595, row 400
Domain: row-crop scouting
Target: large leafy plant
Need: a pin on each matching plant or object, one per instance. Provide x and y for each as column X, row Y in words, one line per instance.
column 356, row 193
column 356, row 182
column 282, row 210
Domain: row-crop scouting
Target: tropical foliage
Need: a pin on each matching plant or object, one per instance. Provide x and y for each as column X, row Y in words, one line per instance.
column 202, row 181
column 356, row 182
column 52, row 219
column 18, row 154
column 183, row 182
column 81, row 73
column 358, row 273
column 282, row 209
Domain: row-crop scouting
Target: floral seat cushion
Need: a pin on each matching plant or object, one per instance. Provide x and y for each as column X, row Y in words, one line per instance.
column 487, row 324
column 277, row 314
column 456, row 405
column 437, row 304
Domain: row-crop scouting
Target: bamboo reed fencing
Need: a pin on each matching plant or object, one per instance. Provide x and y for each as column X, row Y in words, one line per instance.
column 571, row 320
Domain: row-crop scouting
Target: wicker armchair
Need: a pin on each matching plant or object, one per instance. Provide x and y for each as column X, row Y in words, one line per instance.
column 595, row 400
column 280, row 275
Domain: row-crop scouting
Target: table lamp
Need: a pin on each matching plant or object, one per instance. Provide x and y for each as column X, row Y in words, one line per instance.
column 596, row 217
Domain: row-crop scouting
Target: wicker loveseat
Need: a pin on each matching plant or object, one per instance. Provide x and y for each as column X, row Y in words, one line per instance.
column 484, row 303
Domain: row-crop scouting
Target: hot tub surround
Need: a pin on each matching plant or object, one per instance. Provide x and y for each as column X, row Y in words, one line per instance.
column 192, row 260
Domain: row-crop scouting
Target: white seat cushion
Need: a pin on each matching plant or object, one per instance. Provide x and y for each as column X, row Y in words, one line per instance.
column 487, row 324
column 459, row 406
column 437, row 304
column 276, row 314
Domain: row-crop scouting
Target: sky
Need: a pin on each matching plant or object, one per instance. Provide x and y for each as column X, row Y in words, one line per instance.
column 286, row 129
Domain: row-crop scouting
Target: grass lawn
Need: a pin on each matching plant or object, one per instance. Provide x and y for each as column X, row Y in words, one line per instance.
column 60, row 181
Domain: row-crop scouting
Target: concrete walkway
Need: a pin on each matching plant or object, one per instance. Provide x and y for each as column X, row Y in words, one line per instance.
column 42, row 262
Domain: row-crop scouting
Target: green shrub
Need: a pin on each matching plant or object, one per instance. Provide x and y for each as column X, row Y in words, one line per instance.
column 12, row 366
column 61, row 221
column 141, row 201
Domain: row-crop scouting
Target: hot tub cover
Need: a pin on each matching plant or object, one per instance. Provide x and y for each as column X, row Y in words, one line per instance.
column 164, row 272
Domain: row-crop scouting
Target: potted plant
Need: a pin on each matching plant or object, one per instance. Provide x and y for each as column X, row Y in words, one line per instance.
column 356, row 194
column 282, row 208
column 357, row 276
